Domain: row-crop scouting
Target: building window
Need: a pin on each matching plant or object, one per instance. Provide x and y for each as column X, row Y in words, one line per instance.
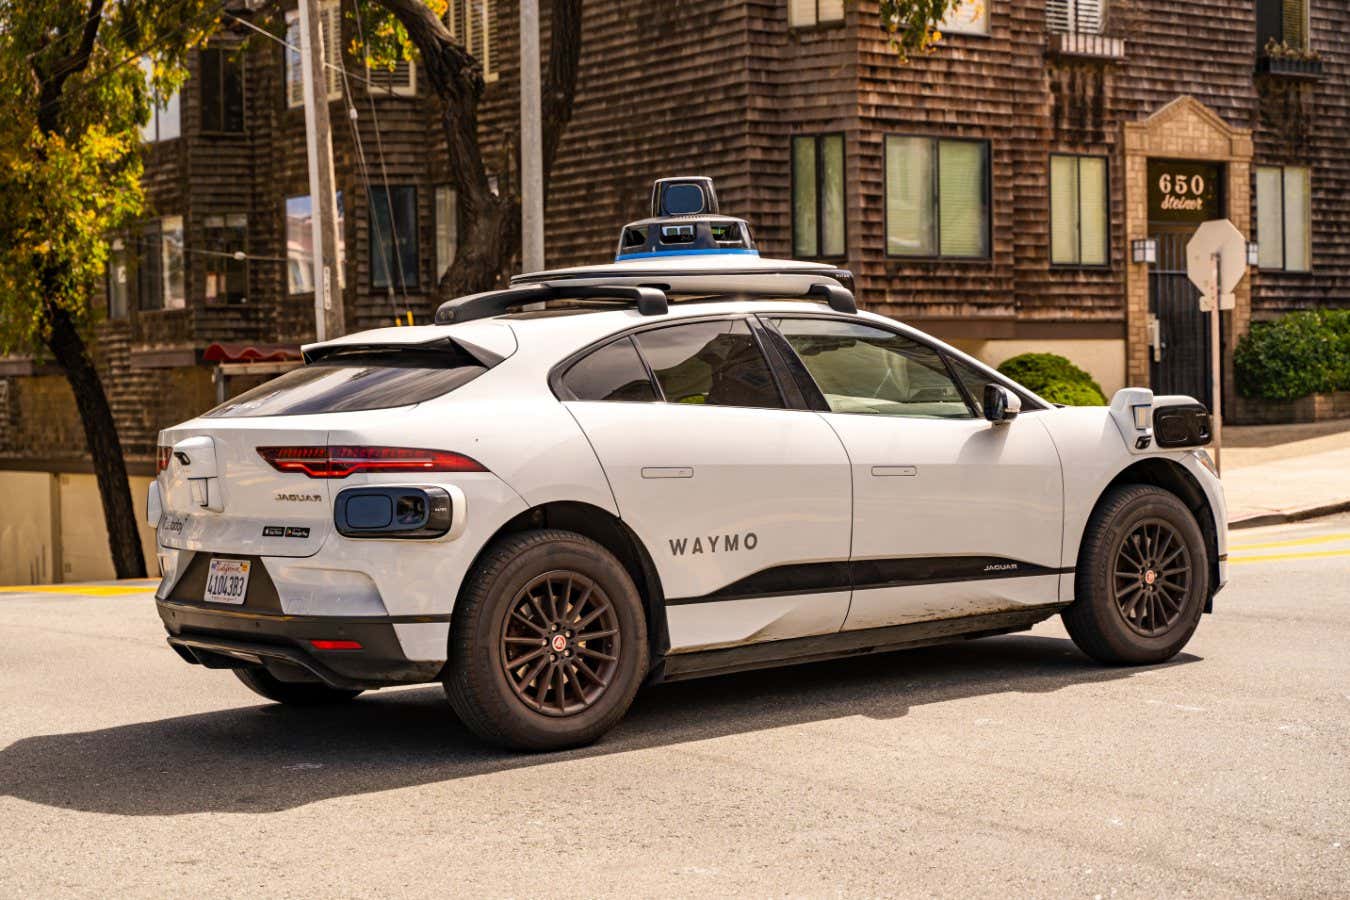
column 808, row 13
column 226, row 275
column 222, row 85
column 300, row 244
column 966, row 17
column 474, row 23
column 937, row 197
column 1078, row 210
column 447, row 228
column 400, row 81
column 164, row 123
column 119, row 279
column 331, row 28
column 393, row 237
column 1283, row 22
column 818, row 196
column 1284, row 218
column 1074, row 16
column 159, row 270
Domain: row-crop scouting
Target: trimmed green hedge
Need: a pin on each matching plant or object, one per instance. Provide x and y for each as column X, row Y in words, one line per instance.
column 1299, row 354
column 1054, row 378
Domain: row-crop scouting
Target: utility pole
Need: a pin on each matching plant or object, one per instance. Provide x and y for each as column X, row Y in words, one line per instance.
column 328, row 318
column 531, row 142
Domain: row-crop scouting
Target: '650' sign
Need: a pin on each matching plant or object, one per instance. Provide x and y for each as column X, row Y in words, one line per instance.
column 1183, row 191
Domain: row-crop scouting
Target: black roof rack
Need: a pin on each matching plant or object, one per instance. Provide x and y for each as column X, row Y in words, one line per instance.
column 650, row 301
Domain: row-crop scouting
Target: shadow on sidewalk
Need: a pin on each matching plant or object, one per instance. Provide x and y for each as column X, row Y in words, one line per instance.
column 268, row 758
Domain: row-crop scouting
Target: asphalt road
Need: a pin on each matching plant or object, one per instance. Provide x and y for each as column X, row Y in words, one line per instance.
column 1005, row 766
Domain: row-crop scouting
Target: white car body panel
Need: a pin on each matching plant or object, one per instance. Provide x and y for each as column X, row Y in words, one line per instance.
column 800, row 481
column 690, row 480
column 935, row 488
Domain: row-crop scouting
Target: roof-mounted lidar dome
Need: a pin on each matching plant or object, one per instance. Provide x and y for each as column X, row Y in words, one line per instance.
column 684, row 221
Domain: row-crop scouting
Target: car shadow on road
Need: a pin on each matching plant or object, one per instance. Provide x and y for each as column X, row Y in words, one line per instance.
column 265, row 758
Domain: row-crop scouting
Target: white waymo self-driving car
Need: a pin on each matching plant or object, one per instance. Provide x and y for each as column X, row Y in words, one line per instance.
column 689, row 462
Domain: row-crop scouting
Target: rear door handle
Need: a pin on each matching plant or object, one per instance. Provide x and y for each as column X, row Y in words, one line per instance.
column 668, row 472
column 890, row 471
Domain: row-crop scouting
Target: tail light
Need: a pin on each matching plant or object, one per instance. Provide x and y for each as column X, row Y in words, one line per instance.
column 341, row 461
column 162, row 457
column 335, row 645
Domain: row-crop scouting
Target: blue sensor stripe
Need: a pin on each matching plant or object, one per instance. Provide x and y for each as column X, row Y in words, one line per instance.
column 730, row 251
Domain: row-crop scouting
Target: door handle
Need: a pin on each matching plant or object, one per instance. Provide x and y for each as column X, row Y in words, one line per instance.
column 667, row 471
column 889, row 471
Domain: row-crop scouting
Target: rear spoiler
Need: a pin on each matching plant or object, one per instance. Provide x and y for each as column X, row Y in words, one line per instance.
column 483, row 356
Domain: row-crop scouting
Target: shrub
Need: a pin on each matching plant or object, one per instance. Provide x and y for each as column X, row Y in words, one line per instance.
column 1296, row 355
column 1054, row 378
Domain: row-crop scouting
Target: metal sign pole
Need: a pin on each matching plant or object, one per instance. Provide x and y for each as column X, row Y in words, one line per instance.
column 1216, row 390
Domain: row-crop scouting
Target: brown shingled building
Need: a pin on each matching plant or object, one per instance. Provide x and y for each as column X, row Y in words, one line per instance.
column 997, row 192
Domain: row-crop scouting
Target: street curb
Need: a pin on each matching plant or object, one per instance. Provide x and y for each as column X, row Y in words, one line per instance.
column 1294, row 515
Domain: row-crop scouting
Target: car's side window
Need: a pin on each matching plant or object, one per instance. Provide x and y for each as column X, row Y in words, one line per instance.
column 975, row 380
column 710, row 363
column 613, row 372
column 871, row 371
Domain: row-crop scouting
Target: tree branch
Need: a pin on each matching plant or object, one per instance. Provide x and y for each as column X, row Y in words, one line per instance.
column 560, row 82
column 52, row 83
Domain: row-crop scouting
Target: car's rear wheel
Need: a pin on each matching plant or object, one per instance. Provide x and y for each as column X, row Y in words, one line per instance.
column 548, row 644
column 1142, row 578
column 292, row 693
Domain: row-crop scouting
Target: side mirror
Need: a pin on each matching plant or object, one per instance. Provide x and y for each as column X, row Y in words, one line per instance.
column 1001, row 405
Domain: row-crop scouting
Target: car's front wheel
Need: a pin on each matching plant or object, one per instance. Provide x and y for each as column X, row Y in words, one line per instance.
column 1142, row 578
column 548, row 643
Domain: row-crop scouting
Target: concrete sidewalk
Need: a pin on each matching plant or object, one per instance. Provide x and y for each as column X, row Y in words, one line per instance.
column 1282, row 473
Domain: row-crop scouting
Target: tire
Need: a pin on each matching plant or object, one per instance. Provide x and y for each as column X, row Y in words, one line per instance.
column 292, row 693
column 503, row 673
column 1148, row 612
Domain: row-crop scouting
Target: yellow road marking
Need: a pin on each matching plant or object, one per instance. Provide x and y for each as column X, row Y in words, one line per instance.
column 1299, row 542
column 86, row 590
column 1312, row 554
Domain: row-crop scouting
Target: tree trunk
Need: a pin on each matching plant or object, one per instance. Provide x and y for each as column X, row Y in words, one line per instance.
column 491, row 237
column 105, row 447
column 62, row 337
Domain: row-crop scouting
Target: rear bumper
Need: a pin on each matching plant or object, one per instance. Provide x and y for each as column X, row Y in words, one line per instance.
column 233, row 638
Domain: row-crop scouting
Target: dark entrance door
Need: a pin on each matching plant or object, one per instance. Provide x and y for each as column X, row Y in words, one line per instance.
column 1181, row 195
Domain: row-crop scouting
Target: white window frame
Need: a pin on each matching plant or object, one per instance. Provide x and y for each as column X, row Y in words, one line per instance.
column 1078, row 261
column 455, row 14
column 1304, row 222
column 401, row 82
column 799, row 17
column 161, row 111
column 331, row 29
column 173, row 279
column 1075, row 16
column 446, row 207
column 975, row 14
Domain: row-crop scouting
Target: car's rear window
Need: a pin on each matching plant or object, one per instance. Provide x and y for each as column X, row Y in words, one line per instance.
column 355, row 381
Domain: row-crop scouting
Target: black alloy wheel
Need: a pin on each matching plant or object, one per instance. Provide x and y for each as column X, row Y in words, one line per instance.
column 1142, row 578
column 560, row 644
column 1152, row 577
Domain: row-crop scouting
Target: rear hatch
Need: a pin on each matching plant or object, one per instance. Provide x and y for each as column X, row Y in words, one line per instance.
column 220, row 494
column 219, row 491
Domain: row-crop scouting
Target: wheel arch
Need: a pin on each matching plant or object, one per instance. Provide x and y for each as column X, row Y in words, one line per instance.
column 1172, row 477
column 614, row 535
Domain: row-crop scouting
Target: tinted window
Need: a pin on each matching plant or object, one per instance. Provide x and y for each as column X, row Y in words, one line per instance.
column 614, row 372
column 356, row 381
column 713, row 363
column 868, row 370
column 975, row 380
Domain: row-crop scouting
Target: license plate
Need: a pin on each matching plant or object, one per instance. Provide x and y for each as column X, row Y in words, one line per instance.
column 227, row 581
